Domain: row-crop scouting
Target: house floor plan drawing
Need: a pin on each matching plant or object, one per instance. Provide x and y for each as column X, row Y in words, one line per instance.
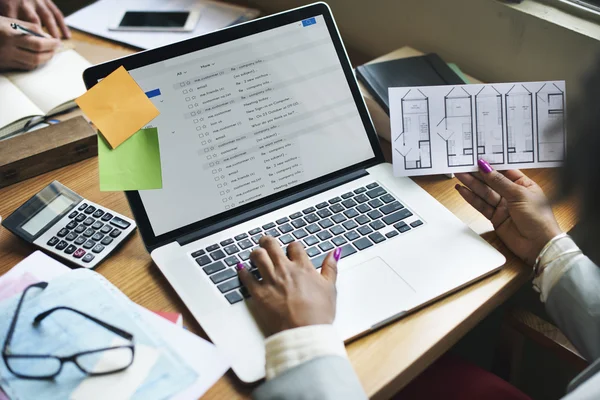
column 446, row 129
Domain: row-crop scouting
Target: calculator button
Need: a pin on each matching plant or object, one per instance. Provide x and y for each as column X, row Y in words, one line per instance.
column 80, row 240
column 80, row 229
column 53, row 240
column 115, row 233
column 62, row 233
column 88, row 257
column 71, row 236
column 82, row 207
column 88, row 232
column 120, row 223
column 90, row 209
column 73, row 214
column 97, row 237
column 97, row 225
column 72, row 225
column 70, row 249
column 98, row 213
column 61, row 245
column 106, row 241
column 107, row 217
column 98, row 248
column 79, row 253
column 89, row 221
column 106, row 229
column 89, row 244
column 80, row 218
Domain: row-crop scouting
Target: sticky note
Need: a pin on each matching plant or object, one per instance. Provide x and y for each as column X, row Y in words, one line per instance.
column 134, row 165
column 117, row 106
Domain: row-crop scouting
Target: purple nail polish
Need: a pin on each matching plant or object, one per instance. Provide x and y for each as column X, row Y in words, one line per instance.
column 240, row 266
column 484, row 166
column 337, row 254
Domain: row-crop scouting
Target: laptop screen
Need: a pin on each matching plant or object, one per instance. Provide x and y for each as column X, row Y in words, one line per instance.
column 249, row 118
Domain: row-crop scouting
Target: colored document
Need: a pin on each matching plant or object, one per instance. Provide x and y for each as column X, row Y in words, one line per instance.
column 134, row 165
column 117, row 106
column 446, row 129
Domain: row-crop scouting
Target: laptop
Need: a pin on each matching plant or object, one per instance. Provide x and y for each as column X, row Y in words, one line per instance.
column 263, row 131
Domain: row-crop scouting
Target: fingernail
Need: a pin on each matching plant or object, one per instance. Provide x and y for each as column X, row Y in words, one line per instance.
column 240, row 266
column 484, row 166
column 337, row 254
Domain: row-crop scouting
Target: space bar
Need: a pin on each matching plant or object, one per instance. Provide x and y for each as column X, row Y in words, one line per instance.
column 346, row 251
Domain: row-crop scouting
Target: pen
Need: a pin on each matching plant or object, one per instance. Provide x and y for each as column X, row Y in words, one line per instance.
column 26, row 31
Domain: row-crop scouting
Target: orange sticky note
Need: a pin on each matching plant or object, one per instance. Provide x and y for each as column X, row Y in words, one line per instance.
column 117, row 106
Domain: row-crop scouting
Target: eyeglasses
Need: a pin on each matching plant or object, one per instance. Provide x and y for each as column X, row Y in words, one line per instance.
column 97, row 362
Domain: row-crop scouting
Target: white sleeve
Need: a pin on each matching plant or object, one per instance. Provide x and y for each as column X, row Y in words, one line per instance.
column 290, row 348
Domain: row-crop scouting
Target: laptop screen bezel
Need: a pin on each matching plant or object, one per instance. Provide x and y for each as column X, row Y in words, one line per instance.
column 92, row 75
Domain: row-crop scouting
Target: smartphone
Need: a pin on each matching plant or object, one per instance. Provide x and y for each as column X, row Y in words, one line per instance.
column 172, row 21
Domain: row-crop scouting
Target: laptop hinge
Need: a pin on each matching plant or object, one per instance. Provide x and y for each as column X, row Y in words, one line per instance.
column 257, row 212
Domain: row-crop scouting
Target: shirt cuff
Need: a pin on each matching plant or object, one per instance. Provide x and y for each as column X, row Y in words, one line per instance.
column 292, row 347
column 553, row 271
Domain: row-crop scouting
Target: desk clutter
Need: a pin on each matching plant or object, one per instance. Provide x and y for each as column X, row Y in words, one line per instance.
column 130, row 353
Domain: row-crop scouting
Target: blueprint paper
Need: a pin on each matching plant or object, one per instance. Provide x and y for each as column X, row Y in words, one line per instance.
column 446, row 129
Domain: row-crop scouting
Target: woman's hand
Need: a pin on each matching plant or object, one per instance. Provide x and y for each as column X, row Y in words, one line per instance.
column 292, row 293
column 39, row 12
column 516, row 206
column 19, row 51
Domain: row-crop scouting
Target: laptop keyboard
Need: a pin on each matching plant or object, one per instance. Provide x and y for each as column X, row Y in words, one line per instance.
column 354, row 221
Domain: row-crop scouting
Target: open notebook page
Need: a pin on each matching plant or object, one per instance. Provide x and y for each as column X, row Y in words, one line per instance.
column 15, row 104
column 58, row 82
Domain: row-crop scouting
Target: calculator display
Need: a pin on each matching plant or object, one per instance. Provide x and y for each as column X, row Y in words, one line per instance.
column 53, row 209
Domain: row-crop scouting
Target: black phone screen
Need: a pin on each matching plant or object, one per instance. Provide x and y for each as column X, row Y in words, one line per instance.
column 162, row 19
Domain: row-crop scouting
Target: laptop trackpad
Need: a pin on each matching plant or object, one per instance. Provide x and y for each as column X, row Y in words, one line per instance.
column 368, row 294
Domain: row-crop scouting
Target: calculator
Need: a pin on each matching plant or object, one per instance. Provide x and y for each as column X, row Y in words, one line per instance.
column 64, row 224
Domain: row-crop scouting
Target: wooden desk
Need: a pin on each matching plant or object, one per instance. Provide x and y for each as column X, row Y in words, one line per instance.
column 385, row 360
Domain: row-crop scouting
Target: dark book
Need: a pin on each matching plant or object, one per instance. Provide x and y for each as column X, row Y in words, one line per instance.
column 427, row 70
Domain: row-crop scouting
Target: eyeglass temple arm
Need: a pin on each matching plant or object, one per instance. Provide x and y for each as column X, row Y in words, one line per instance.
column 40, row 317
column 13, row 324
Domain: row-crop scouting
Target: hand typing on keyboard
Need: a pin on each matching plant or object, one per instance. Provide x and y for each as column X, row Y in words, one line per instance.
column 292, row 293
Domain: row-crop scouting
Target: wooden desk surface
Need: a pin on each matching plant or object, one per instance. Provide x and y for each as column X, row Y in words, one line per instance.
column 386, row 360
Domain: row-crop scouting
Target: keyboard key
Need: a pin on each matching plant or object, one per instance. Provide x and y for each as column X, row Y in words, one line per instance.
column 296, row 215
column 324, row 235
column 349, row 225
column 347, row 250
column 82, row 207
column 106, row 241
column 97, row 225
column 254, row 231
column 362, row 219
column 402, row 227
column 72, row 225
column 61, row 245
column 377, row 237
column 391, row 234
column 71, row 236
column 360, row 190
column 397, row 216
column 339, row 218
column 388, row 198
column 223, row 275
column 230, row 285
column 283, row 220
column 298, row 223
column 308, row 210
column 98, row 213
column 97, row 237
column 311, row 240
column 310, row 218
column 317, row 262
column 378, row 191
column 119, row 223
column 337, row 208
column 326, row 246
column 376, row 225
column 106, row 230
column 80, row 240
column 285, row 228
column 244, row 255
column 70, row 249
column 322, row 205
column 89, row 257
column 372, row 185
column 89, row 221
column 79, row 253
column 98, row 248
column 106, row 217
column 245, row 292
column 362, row 243
column 313, row 251
column 90, row 209
column 203, row 260
column 285, row 239
column 198, row 253
column 361, row 198
column 246, row 243
column 256, row 274
column 80, row 228
column 349, row 203
column 347, row 195
column 80, row 218
column 89, row 244
column 63, row 232
column 416, row 223
column 351, row 213
column 300, row 233
column 272, row 232
column 217, row 255
column 376, row 203
column 212, row 248
column 337, row 230
column 53, row 240
column 313, row 228
column 375, row 214
column 234, row 297
column 324, row 213
column 335, row 200
column 363, row 208
column 390, row 208
column 226, row 242
column 256, row 238
column 326, row 223
column 115, row 233
column 241, row 236
column 231, row 249
column 89, row 232
column 268, row 226
column 212, row 268
column 231, row 261
column 338, row 241
column 365, row 230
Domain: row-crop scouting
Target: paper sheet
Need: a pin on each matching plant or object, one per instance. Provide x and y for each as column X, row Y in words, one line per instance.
column 117, row 106
column 446, row 129
column 134, row 165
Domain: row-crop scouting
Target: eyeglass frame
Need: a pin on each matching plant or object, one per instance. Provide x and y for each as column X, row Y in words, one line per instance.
column 6, row 353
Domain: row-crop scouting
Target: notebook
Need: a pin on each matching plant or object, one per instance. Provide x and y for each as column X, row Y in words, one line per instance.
column 427, row 70
column 29, row 97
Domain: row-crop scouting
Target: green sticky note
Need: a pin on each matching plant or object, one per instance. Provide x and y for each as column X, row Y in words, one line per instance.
column 458, row 72
column 134, row 165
